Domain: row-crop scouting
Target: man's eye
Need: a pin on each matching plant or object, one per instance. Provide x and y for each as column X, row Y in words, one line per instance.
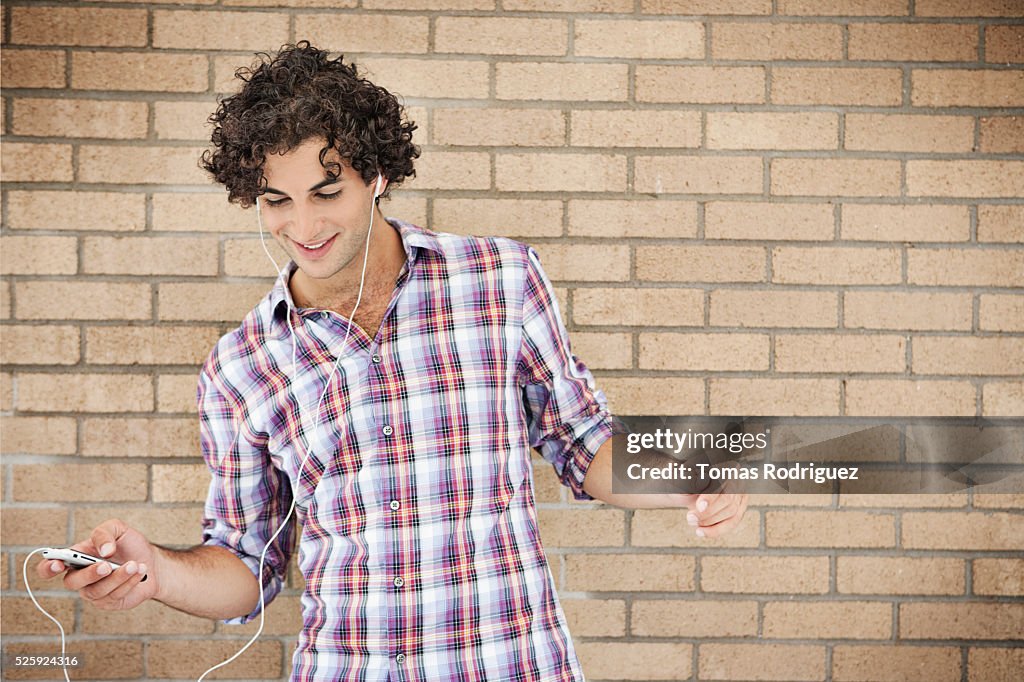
column 332, row 195
column 275, row 202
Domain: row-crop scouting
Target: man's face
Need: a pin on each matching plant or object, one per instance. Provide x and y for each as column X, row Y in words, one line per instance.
column 319, row 221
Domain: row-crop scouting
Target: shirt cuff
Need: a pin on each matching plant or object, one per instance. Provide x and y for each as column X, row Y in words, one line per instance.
column 272, row 582
column 583, row 451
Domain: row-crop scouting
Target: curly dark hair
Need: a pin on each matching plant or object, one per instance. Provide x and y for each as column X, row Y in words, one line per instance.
column 301, row 94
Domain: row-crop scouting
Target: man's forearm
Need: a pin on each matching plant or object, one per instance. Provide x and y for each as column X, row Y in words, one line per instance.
column 206, row 581
column 598, row 484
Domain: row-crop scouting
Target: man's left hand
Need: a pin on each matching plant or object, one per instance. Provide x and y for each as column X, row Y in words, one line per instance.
column 713, row 514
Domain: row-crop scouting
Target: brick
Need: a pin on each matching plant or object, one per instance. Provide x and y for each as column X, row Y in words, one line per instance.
column 84, row 482
column 822, row 265
column 768, row 221
column 632, row 128
column 638, row 307
column 145, row 71
column 149, row 256
column 1002, row 134
column 162, row 345
column 632, row 39
column 700, row 263
column 80, row 118
column 600, row 350
column 788, row 662
column 85, row 393
column 221, row 30
column 33, row 68
column 836, row 620
column 83, row 301
column 431, row 78
column 1001, row 224
column 499, row 127
column 905, row 223
column 764, row 308
column 835, row 177
column 39, row 435
column 567, row 5
column 1000, row 313
column 139, row 437
column 755, row 7
column 680, row 174
column 962, row 531
column 968, row 355
column 960, row 8
column 175, row 526
column 40, row 345
column 895, row 663
column 182, row 659
column 363, row 32
column 452, row 170
column 909, row 311
column 6, row 392
column 701, row 84
column 422, row 4
column 141, row 165
column 777, row 41
column 843, row 7
column 582, row 527
column 180, row 482
column 728, row 352
column 22, row 618
column 999, row 577
column 412, row 209
column 843, row 353
column 629, row 572
column 1004, row 44
column 561, row 81
column 994, row 664
column 668, row 528
column 67, row 26
column 476, row 35
column 75, row 210
column 148, row 618
column 595, row 617
column 201, row 213
column 829, row 529
column 648, row 395
column 704, row 618
column 899, row 575
column 965, row 620
column 182, row 120
column 101, row 659
column 974, row 267
column 493, row 217
column 636, row 661
column 575, row 172
column 34, row 526
column 585, row 262
column 802, row 397
column 38, row 255
column 176, row 393
column 773, row 131
column 29, row 162
column 999, row 500
column 883, row 397
column 212, row 302
column 909, row 133
column 966, row 87
column 897, row 42
column 631, row 218
column 974, row 178
column 836, row 86
column 1003, row 399
column 246, row 258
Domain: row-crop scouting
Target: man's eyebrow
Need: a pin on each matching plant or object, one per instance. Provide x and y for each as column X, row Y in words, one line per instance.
column 323, row 183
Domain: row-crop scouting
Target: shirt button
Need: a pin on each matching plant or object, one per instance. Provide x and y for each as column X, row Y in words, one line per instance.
column 375, row 358
column 399, row 658
column 398, row 582
column 395, row 505
column 324, row 315
column 388, row 430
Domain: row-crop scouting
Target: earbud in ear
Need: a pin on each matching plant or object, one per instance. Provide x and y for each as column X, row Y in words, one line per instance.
column 380, row 183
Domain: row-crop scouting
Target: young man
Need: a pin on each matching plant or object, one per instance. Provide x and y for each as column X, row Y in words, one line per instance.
column 391, row 386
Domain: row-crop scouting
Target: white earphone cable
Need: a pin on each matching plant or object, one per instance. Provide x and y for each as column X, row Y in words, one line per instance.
column 63, row 637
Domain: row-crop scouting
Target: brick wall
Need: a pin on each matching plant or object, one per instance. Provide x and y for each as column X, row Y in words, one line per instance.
column 747, row 206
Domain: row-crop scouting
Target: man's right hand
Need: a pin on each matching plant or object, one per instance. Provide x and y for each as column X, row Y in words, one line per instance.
column 105, row 589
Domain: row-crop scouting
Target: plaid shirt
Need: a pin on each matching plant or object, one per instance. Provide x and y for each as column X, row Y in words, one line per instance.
column 418, row 529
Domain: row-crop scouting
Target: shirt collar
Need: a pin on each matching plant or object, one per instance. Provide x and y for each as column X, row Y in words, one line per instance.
column 414, row 238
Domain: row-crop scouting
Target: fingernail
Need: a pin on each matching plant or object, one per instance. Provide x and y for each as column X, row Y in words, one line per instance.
column 107, row 549
column 130, row 568
column 56, row 566
column 702, row 505
column 691, row 519
column 700, row 533
column 142, row 568
column 103, row 568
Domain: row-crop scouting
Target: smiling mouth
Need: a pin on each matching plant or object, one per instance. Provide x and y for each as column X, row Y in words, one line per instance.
column 315, row 246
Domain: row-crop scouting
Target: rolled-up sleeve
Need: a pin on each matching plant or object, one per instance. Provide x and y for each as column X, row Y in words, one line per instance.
column 248, row 497
column 567, row 415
